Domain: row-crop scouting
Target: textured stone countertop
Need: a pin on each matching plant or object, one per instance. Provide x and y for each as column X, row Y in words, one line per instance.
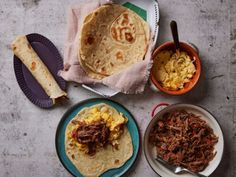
column 27, row 133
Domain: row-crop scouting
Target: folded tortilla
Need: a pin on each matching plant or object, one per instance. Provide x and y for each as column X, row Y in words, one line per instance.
column 24, row 51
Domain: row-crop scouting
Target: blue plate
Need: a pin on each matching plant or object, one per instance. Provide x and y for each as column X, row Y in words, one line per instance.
column 70, row 114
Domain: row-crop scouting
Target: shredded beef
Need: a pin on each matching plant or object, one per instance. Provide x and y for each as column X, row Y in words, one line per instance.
column 94, row 135
column 184, row 139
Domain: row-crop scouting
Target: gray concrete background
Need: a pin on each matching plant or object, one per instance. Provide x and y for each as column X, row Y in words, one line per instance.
column 27, row 132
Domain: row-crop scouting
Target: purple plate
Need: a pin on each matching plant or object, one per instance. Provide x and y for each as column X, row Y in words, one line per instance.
column 50, row 56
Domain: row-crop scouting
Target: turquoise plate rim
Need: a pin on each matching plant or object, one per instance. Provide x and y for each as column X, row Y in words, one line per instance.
column 70, row 113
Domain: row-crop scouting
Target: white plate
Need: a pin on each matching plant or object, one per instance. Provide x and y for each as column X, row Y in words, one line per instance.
column 205, row 115
column 150, row 7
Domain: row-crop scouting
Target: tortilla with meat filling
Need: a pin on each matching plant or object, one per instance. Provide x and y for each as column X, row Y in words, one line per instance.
column 114, row 154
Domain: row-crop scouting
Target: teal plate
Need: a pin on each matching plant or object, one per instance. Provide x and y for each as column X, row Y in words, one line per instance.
column 60, row 136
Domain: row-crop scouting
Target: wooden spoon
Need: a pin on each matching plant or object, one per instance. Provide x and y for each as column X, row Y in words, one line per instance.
column 174, row 30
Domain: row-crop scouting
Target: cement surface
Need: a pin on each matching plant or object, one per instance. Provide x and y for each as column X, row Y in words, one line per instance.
column 27, row 133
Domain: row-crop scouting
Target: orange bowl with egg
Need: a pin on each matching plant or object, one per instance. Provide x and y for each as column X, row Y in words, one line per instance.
column 188, row 83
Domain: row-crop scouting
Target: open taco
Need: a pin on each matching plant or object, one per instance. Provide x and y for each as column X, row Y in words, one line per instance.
column 97, row 140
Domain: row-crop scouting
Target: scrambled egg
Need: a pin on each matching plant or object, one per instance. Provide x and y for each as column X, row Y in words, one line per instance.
column 114, row 121
column 172, row 71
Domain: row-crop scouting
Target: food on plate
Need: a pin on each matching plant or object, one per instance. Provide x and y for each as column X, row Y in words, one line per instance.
column 24, row 51
column 184, row 139
column 97, row 140
column 112, row 38
column 173, row 71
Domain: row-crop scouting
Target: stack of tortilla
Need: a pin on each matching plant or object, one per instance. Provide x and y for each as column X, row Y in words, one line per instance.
column 112, row 38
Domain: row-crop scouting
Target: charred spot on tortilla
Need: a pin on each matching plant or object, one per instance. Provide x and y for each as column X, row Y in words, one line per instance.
column 119, row 56
column 129, row 37
column 73, row 156
column 33, row 66
column 90, row 40
column 125, row 21
column 103, row 71
column 114, row 33
column 123, row 30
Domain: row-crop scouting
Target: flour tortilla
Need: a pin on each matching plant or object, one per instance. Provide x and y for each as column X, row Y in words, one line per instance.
column 24, row 51
column 105, row 158
column 112, row 38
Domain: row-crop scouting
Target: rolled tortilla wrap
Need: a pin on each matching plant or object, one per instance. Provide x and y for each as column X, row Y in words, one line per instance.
column 24, row 51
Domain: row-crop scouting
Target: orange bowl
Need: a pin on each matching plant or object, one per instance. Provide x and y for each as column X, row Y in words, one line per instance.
column 193, row 55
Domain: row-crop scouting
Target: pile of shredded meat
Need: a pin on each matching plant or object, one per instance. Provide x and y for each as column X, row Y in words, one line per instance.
column 93, row 135
column 183, row 139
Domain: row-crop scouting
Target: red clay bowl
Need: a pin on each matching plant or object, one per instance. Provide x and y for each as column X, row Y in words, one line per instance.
column 193, row 55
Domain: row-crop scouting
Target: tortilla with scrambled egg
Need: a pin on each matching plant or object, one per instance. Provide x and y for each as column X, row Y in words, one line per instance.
column 105, row 158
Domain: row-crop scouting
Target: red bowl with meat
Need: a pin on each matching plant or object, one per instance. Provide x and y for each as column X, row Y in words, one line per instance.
column 183, row 135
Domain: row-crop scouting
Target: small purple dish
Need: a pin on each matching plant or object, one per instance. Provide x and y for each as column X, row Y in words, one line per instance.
column 50, row 56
